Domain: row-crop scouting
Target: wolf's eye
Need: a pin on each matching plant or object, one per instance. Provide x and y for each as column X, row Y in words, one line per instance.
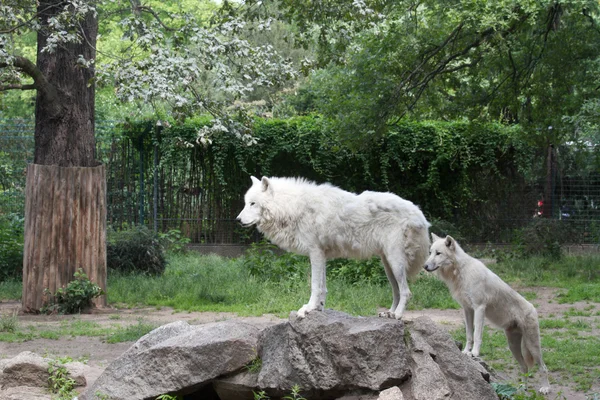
column 252, row 203
column 437, row 253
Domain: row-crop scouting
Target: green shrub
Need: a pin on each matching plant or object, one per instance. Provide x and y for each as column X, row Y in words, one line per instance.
column 174, row 241
column 136, row 250
column 262, row 261
column 356, row 271
column 543, row 237
column 74, row 298
column 11, row 247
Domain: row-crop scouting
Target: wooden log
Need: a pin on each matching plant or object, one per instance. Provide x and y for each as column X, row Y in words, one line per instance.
column 65, row 230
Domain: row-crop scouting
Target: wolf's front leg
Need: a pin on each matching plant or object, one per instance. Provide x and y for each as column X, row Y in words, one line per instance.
column 468, row 314
column 478, row 319
column 318, row 289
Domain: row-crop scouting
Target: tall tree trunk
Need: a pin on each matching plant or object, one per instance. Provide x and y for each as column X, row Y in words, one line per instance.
column 64, row 121
column 65, row 226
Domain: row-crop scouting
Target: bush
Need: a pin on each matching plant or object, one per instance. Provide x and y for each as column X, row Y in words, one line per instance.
column 136, row 250
column 11, row 247
column 543, row 237
column 356, row 271
column 74, row 298
column 262, row 261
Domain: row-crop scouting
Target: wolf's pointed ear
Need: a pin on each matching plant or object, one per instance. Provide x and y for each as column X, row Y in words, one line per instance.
column 450, row 243
column 266, row 184
column 254, row 180
column 434, row 237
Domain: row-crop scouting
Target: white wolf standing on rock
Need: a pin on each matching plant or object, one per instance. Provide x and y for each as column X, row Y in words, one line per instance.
column 324, row 221
column 481, row 293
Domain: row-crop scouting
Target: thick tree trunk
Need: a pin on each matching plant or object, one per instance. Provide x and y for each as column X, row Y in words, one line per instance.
column 65, row 229
column 64, row 114
column 65, row 217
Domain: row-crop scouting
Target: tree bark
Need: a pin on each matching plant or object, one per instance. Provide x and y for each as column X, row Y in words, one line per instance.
column 64, row 115
column 65, row 207
column 65, row 229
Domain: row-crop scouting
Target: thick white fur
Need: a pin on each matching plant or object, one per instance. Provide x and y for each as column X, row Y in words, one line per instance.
column 481, row 293
column 324, row 221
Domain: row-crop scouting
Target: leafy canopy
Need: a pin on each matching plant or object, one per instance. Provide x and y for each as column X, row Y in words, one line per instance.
column 176, row 56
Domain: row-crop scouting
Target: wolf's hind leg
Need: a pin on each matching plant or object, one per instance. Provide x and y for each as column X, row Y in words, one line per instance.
column 398, row 265
column 531, row 343
column 514, row 338
column 395, row 289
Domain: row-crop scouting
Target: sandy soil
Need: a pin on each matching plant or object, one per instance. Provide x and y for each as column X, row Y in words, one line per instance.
column 99, row 353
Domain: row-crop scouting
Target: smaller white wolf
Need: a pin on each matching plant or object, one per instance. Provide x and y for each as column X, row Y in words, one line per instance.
column 481, row 293
column 324, row 221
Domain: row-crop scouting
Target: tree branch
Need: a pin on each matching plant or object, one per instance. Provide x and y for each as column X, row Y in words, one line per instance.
column 16, row 86
column 40, row 83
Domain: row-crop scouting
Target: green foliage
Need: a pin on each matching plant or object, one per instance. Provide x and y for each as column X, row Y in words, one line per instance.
column 136, row 250
column 11, row 247
column 169, row 397
column 261, row 395
column 357, row 272
column 455, row 171
column 59, row 381
column 174, row 241
column 74, row 298
column 263, row 260
column 9, row 322
column 294, row 394
column 543, row 237
column 506, row 391
column 254, row 366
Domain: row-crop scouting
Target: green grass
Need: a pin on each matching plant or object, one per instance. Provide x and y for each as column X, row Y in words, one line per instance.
column 10, row 289
column 130, row 333
column 212, row 283
column 568, row 352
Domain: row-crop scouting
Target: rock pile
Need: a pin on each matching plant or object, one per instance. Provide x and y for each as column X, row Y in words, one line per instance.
column 328, row 355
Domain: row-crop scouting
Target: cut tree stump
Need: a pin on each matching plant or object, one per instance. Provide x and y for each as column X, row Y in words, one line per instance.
column 65, row 229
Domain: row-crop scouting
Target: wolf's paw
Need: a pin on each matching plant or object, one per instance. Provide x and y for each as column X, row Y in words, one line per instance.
column 386, row 314
column 544, row 390
column 305, row 309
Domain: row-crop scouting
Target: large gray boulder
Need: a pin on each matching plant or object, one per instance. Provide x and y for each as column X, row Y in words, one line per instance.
column 330, row 353
column 440, row 370
column 178, row 358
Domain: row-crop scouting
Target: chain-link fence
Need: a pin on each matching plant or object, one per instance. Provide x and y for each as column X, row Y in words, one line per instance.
column 142, row 190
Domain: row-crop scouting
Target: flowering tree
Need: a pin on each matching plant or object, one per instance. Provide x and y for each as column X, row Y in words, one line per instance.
column 168, row 57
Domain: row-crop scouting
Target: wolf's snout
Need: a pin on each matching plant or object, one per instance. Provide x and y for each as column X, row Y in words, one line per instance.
column 429, row 267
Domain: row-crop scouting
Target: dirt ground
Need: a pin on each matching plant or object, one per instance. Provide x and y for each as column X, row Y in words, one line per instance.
column 99, row 354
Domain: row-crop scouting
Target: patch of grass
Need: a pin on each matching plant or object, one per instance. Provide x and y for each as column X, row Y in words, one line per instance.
column 130, row 333
column 572, row 312
column 528, row 295
column 430, row 292
column 568, row 353
column 211, row 283
column 493, row 345
column 9, row 323
column 581, row 292
column 577, row 357
column 11, row 289
column 566, row 272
